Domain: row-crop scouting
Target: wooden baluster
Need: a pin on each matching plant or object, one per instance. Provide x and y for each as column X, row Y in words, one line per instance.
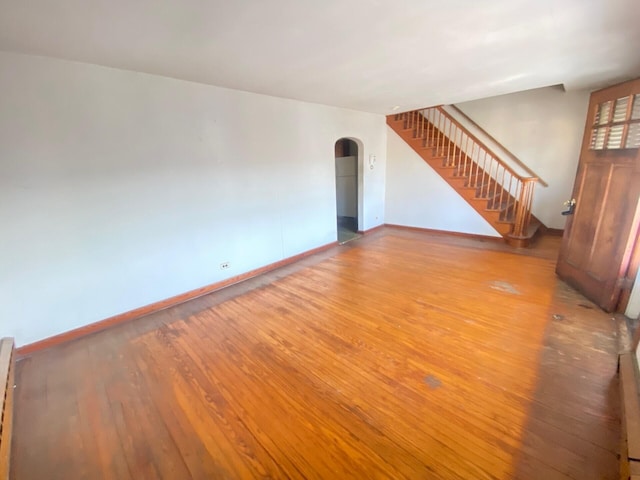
column 449, row 143
column 491, row 189
column 496, row 185
column 484, row 172
column 466, row 155
column 496, row 182
column 445, row 143
column 432, row 134
column 472, row 165
column 434, row 127
column 481, row 160
column 461, row 149
column 455, row 148
column 488, row 171
column 458, row 150
column 444, row 139
column 490, row 175
column 493, row 178
column 500, row 195
column 471, row 181
column 510, row 196
column 425, row 124
column 454, row 152
column 475, row 159
column 436, row 132
column 425, row 127
column 489, row 178
column 440, row 136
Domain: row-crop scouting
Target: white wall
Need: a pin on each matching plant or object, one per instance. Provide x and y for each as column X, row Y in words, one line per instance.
column 544, row 129
column 417, row 196
column 119, row 189
column 633, row 307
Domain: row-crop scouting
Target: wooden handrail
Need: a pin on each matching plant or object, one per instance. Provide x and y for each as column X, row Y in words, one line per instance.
column 7, row 367
column 513, row 158
column 482, row 144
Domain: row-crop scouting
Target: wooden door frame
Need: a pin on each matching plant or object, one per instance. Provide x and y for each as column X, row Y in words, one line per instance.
column 360, row 178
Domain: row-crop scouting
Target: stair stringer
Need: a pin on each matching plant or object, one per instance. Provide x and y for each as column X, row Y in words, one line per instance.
column 419, row 196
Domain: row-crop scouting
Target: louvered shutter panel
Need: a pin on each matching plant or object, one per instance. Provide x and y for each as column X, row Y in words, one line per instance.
column 617, row 124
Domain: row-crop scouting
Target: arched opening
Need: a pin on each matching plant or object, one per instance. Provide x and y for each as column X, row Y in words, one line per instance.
column 346, row 158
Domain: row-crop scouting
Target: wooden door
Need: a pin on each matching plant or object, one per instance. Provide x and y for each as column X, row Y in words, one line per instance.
column 600, row 236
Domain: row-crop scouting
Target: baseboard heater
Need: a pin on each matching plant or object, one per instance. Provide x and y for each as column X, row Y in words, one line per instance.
column 630, row 428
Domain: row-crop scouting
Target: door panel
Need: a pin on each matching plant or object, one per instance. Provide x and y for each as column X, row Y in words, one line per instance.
column 611, row 221
column 584, row 229
column 600, row 236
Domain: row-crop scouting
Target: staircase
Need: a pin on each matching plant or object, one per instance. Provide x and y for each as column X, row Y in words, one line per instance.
column 496, row 191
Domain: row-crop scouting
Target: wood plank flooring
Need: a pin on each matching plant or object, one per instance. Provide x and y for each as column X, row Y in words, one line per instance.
column 399, row 355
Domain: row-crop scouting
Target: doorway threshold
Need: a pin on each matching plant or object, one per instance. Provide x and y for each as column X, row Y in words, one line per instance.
column 345, row 236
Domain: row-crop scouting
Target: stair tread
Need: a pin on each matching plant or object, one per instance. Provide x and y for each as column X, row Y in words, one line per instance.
column 532, row 229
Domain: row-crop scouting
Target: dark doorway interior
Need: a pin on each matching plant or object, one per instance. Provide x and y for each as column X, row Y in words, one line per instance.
column 346, row 156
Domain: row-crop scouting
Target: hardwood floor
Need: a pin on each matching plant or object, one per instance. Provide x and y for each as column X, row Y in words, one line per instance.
column 399, row 355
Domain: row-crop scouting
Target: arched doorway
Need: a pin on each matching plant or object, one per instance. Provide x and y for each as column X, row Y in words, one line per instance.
column 346, row 158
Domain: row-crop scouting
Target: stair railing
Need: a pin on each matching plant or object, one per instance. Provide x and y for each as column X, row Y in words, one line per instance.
column 504, row 189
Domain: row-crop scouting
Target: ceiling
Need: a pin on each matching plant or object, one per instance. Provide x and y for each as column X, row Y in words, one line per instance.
column 370, row 55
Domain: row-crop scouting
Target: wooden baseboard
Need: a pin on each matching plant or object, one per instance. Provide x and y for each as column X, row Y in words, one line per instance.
column 371, row 230
column 553, row 232
column 446, row 232
column 31, row 348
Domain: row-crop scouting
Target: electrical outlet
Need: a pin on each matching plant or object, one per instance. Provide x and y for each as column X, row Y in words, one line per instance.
column 225, row 265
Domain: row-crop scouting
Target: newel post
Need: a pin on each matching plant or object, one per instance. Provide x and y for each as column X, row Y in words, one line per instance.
column 523, row 209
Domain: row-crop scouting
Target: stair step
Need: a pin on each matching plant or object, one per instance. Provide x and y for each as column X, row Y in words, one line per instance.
column 477, row 187
column 501, row 207
column 454, row 160
column 486, row 192
column 526, row 239
column 447, row 166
